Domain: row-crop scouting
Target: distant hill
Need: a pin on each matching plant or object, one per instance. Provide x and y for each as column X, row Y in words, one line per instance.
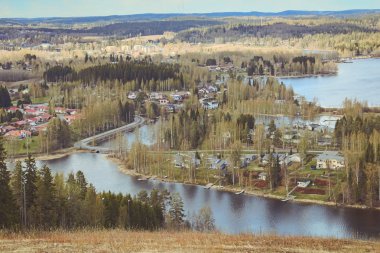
column 153, row 16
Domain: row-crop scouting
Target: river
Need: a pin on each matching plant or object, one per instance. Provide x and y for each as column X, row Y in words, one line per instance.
column 360, row 80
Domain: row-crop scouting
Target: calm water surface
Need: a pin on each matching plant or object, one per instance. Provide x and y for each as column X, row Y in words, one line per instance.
column 360, row 80
column 233, row 213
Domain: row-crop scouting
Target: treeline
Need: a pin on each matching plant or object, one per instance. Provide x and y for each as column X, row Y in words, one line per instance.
column 283, row 66
column 231, row 33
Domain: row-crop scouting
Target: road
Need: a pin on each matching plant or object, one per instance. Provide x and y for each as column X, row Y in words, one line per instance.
column 85, row 143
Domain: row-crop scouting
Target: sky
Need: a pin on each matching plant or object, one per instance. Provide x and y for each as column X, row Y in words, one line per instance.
column 71, row 8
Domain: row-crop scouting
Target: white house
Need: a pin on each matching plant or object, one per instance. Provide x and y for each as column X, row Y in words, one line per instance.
column 263, row 176
column 303, row 183
column 164, row 101
column 210, row 105
column 132, row 95
column 330, row 159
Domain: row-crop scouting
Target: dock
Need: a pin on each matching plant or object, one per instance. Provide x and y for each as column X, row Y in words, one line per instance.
column 208, row 186
column 240, row 192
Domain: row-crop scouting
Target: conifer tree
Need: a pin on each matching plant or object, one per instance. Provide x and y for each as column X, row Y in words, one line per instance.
column 7, row 204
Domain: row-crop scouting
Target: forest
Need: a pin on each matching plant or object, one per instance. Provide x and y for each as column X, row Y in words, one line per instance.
column 140, row 72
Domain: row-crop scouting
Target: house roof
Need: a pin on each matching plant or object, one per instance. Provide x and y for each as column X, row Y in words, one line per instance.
column 330, row 155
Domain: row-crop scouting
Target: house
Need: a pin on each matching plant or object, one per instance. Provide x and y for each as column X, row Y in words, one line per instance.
column 210, row 105
column 294, row 158
column 5, row 129
column 181, row 160
column 59, row 110
column 164, row 101
column 217, row 164
column 21, row 134
column 292, row 137
column 20, row 123
column 330, row 160
column 212, row 89
column 72, row 111
column 132, row 96
column 281, row 157
column 247, row 159
column 303, row 183
column 178, row 161
column 170, row 108
column 263, row 176
column 39, row 128
column 176, row 97
column 71, row 118
column 31, row 112
column 156, row 95
column 13, row 109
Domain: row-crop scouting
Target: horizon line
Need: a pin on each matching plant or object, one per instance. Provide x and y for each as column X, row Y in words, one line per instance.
column 192, row 13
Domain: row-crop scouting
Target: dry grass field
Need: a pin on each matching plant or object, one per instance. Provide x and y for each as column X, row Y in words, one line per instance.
column 125, row 241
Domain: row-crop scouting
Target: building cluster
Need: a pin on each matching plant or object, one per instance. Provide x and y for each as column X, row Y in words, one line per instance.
column 35, row 118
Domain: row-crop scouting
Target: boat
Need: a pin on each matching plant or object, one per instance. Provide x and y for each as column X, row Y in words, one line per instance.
column 240, row 192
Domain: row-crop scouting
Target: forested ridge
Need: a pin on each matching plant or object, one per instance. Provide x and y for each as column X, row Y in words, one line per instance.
column 276, row 30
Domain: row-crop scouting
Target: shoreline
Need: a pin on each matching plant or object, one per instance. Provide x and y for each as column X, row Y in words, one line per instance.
column 52, row 156
column 255, row 193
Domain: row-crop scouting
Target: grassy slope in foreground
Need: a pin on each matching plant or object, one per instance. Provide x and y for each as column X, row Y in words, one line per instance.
column 125, row 241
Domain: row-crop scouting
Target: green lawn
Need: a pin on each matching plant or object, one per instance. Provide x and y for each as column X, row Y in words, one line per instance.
column 19, row 147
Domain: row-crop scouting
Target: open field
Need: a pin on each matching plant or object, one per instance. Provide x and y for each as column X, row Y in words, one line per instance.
column 125, row 241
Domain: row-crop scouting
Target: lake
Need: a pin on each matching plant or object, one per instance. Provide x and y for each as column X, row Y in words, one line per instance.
column 360, row 80
column 233, row 213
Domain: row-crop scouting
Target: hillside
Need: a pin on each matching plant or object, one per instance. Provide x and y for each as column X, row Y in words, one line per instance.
column 124, row 241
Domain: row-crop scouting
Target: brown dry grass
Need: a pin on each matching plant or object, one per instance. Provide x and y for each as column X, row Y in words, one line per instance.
column 125, row 241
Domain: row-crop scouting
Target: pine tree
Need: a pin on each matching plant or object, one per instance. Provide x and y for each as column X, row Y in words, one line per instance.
column 82, row 184
column 17, row 185
column 176, row 211
column 30, row 181
column 7, row 204
column 5, row 99
column 45, row 200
